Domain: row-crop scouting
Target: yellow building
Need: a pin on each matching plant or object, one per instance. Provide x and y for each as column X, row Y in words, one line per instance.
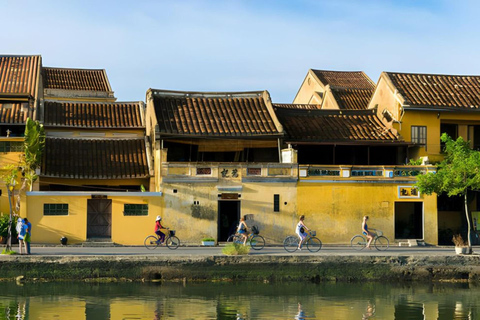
column 20, row 94
column 423, row 106
column 350, row 165
column 95, row 165
column 217, row 157
column 346, row 90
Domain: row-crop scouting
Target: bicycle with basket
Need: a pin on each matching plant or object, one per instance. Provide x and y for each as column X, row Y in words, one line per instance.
column 290, row 244
column 254, row 239
column 171, row 241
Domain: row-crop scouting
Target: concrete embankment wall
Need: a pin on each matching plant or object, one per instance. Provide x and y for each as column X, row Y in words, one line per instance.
column 255, row 268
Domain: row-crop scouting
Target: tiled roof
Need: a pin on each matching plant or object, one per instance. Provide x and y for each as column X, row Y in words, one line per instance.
column 352, row 99
column 15, row 113
column 95, row 158
column 438, row 90
column 94, row 115
column 76, row 79
column 345, row 79
column 214, row 114
column 345, row 126
column 19, row 74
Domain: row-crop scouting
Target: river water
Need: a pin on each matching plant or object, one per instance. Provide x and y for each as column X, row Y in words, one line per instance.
column 92, row 301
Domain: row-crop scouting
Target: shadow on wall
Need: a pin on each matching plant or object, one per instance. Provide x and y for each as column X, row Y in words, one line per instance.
column 55, row 233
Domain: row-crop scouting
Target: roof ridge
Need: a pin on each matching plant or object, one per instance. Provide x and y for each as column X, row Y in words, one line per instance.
column 205, row 94
column 84, row 69
column 432, row 74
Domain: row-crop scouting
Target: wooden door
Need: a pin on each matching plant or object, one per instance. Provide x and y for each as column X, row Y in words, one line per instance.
column 99, row 218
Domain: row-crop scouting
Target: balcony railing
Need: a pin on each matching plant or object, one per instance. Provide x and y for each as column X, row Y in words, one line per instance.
column 181, row 171
column 330, row 172
column 184, row 171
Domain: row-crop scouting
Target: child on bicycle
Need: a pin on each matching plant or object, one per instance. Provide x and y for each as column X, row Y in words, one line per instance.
column 158, row 226
column 242, row 230
column 367, row 233
column 300, row 230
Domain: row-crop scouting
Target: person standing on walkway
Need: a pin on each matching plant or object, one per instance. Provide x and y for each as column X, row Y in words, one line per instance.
column 22, row 230
column 367, row 233
column 301, row 231
column 28, row 237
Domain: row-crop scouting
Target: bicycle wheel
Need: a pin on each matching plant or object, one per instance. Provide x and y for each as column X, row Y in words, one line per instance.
column 230, row 238
column 358, row 242
column 314, row 244
column 151, row 242
column 172, row 242
column 257, row 242
column 290, row 243
column 381, row 243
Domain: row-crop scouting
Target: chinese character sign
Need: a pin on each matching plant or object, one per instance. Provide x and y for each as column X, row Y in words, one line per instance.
column 408, row 192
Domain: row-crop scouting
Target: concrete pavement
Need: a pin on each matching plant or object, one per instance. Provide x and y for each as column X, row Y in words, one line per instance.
column 327, row 250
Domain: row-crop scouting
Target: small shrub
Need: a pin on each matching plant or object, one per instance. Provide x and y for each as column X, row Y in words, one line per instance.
column 235, row 249
column 208, row 239
column 458, row 241
column 4, row 251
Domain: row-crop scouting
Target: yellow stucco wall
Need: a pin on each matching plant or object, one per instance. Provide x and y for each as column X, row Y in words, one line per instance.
column 7, row 158
column 256, row 198
column 307, row 90
column 125, row 229
column 335, row 210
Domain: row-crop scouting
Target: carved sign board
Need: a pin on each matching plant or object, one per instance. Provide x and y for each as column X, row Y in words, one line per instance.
column 408, row 192
column 229, row 196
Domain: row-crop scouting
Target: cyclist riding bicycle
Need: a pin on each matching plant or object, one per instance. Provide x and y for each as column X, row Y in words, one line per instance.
column 301, row 231
column 158, row 227
column 242, row 230
column 367, row 233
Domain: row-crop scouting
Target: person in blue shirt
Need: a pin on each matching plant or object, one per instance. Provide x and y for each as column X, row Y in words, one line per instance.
column 28, row 237
column 22, row 233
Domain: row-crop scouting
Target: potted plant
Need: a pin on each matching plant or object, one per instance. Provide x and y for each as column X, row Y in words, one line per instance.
column 208, row 242
column 461, row 247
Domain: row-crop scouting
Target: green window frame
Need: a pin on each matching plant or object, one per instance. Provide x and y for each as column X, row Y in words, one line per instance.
column 135, row 209
column 55, row 209
column 11, row 146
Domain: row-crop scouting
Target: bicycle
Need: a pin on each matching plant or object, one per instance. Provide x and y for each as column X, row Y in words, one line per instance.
column 290, row 244
column 359, row 241
column 256, row 241
column 153, row 241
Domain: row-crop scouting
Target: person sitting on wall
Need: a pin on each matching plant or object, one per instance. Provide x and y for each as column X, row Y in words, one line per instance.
column 158, row 227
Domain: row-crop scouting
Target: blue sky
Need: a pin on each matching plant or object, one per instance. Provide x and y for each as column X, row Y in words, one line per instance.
column 199, row 45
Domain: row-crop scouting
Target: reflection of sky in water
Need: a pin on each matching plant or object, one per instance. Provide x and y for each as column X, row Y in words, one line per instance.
column 241, row 301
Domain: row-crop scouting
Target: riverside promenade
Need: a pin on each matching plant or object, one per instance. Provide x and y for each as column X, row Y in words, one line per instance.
column 331, row 263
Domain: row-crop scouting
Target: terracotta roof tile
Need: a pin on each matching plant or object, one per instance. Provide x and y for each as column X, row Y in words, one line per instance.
column 433, row 90
column 15, row 112
column 95, row 158
column 332, row 125
column 76, row 79
column 213, row 114
column 345, row 79
column 19, row 74
column 94, row 115
column 352, row 99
